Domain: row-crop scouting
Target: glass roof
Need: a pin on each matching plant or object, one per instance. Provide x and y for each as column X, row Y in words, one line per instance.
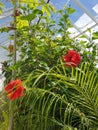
column 86, row 16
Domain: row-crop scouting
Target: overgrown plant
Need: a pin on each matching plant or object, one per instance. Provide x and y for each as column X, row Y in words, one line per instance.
column 61, row 92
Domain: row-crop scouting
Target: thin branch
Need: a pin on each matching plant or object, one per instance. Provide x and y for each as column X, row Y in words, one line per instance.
column 15, row 35
column 42, row 14
column 10, row 127
column 11, row 123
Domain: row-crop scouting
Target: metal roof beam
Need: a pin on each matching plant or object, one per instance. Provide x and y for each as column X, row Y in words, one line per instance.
column 79, row 30
column 7, row 10
column 85, row 10
column 86, row 30
column 6, row 13
column 3, row 17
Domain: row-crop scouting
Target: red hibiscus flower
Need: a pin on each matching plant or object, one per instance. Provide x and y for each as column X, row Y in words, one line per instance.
column 72, row 58
column 14, row 89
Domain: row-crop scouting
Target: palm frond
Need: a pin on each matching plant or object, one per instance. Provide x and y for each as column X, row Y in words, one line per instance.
column 60, row 98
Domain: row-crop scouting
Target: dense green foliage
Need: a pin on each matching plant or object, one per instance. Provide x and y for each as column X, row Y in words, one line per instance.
column 57, row 97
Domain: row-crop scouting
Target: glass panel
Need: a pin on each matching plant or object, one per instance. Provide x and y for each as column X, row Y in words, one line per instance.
column 59, row 3
column 89, row 4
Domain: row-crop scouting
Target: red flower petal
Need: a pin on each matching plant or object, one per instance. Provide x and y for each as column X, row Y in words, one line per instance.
column 18, row 93
column 72, row 58
column 14, row 89
column 71, row 52
column 70, row 64
column 67, row 58
column 12, row 84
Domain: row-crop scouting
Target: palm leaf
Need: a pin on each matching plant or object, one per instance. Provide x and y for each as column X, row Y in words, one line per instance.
column 62, row 99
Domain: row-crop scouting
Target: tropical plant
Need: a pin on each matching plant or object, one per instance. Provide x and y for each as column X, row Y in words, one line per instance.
column 61, row 101
column 57, row 97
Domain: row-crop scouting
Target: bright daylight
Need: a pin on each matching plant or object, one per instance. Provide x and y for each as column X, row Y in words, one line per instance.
column 48, row 64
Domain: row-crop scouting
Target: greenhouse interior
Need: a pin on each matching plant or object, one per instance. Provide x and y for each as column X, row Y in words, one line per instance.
column 48, row 64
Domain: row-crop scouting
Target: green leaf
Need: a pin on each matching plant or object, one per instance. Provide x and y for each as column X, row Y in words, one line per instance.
column 1, row 4
column 46, row 10
column 71, row 10
column 37, row 11
column 5, row 48
column 95, row 35
column 28, row 17
column 83, row 36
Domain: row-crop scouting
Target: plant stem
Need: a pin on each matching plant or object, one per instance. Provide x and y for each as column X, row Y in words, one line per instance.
column 15, row 40
column 11, row 123
column 15, row 33
column 11, row 117
column 42, row 14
